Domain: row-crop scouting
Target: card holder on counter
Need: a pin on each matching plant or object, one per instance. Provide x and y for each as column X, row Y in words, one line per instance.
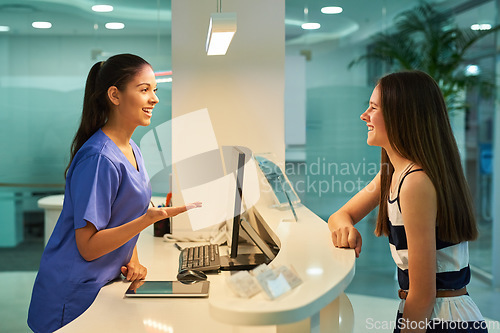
column 274, row 281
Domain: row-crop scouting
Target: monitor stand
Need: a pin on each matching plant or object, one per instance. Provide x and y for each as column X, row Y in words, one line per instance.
column 243, row 262
column 252, row 260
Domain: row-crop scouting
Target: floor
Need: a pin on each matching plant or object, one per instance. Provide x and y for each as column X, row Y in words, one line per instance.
column 372, row 291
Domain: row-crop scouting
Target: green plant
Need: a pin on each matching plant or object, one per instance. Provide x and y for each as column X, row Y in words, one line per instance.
column 429, row 40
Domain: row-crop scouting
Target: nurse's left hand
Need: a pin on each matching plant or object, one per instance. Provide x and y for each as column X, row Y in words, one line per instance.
column 134, row 271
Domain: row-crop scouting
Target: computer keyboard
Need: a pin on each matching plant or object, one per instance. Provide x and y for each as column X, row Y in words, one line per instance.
column 202, row 258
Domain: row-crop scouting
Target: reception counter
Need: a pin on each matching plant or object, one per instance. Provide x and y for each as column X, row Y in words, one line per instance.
column 317, row 305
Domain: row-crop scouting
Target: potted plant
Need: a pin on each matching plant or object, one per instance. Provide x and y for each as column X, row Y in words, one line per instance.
column 429, row 40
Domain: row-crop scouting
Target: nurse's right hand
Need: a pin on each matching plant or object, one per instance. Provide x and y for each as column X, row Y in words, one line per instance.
column 160, row 213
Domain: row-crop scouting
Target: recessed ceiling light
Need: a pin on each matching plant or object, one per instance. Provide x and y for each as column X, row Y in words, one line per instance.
column 331, row 10
column 311, row 26
column 472, row 70
column 4, row 28
column 482, row 26
column 41, row 25
column 102, row 8
column 114, row 25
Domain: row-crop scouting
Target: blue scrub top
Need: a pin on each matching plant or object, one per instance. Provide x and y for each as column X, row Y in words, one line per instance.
column 103, row 188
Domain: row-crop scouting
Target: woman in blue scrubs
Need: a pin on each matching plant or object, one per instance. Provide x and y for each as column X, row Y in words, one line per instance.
column 106, row 199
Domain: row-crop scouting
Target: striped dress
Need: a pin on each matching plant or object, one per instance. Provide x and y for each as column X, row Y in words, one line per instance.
column 450, row 314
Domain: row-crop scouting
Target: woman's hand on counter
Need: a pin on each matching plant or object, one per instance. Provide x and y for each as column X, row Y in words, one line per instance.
column 347, row 237
column 134, row 271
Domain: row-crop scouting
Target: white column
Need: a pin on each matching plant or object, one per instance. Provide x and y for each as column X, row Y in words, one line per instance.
column 242, row 90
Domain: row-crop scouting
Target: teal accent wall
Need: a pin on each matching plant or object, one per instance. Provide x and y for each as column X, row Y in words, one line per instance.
column 42, row 81
column 41, row 95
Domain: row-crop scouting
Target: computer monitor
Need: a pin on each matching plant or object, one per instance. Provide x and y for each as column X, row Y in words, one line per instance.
column 245, row 192
column 238, row 203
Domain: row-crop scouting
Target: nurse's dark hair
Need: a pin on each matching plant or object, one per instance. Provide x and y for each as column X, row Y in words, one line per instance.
column 418, row 128
column 117, row 71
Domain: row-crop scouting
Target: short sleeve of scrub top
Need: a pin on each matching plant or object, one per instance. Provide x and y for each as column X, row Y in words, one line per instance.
column 94, row 191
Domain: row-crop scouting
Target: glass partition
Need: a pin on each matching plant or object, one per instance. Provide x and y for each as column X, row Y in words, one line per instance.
column 42, row 79
column 335, row 160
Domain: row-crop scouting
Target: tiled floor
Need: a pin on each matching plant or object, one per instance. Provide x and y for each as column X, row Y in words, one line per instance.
column 372, row 291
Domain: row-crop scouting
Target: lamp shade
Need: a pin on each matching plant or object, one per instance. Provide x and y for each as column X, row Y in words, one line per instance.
column 221, row 30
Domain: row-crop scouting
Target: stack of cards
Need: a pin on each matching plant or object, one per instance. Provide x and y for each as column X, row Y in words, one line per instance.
column 274, row 281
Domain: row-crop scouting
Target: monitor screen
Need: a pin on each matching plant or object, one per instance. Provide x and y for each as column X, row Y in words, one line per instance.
column 245, row 192
column 238, row 201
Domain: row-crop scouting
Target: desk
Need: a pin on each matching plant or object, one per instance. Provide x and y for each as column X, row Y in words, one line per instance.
column 314, row 306
column 15, row 197
column 52, row 206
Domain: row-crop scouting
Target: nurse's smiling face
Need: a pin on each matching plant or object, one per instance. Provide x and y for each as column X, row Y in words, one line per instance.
column 134, row 105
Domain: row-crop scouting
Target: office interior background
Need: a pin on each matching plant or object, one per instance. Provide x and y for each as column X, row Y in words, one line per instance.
column 42, row 77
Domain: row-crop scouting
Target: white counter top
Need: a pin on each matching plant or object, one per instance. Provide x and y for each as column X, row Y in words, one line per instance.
column 51, row 202
column 325, row 270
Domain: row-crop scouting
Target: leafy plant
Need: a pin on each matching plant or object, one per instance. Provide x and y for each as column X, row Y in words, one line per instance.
column 429, row 40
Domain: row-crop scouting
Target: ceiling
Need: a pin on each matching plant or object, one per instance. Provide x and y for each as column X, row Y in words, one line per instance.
column 359, row 19
column 75, row 17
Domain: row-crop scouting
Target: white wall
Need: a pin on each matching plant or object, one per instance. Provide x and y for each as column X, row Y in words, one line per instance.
column 243, row 90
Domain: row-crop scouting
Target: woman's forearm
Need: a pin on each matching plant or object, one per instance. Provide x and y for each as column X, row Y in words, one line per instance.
column 417, row 312
column 135, row 255
column 339, row 219
column 93, row 244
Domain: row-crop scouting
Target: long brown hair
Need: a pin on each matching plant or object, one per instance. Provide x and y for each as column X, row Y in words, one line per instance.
column 117, row 71
column 418, row 129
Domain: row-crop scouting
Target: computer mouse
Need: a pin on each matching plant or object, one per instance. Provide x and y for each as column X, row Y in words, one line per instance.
column 191, row 275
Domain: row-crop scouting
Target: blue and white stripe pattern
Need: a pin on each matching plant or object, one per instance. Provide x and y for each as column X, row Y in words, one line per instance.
column 452, row 272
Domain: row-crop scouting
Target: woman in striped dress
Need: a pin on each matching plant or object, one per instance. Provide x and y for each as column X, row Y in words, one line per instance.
column 425, row 207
